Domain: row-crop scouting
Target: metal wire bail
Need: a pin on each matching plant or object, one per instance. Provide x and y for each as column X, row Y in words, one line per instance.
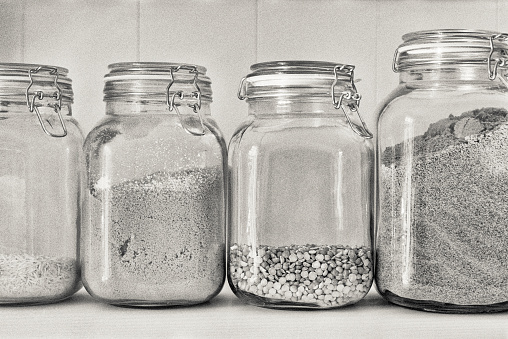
column 395, row 60
column 32, row 106
column 349, row 95
column 498, row 62
column 196, row 107
column 241, row 89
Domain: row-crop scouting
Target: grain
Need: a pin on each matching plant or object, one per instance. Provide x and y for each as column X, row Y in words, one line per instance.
column 165, row 237
column 447, row 244
column 24, row 277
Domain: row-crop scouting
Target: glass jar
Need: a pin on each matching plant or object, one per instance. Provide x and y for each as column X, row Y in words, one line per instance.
column 154, row 233
column 301, row 171
column 41, row 176
column 442, row 174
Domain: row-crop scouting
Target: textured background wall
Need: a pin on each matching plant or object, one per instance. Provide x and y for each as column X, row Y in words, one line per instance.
column 226, row 36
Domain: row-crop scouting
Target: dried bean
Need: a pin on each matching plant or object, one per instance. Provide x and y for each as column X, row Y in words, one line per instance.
column 318, row 278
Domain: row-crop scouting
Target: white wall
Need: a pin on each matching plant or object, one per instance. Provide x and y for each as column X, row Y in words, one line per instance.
column 226, row 36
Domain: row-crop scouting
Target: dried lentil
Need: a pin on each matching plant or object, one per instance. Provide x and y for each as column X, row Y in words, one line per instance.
column 323, row 288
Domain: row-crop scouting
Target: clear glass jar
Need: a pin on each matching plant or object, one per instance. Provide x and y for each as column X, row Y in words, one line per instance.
column 442, row 174
column 301, row 179
column 41, row 173
column 154, row 233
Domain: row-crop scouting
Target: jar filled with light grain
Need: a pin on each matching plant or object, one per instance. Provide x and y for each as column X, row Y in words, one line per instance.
column 41, row 172
column 154, row 229
column 443, row 175
column 301, row 189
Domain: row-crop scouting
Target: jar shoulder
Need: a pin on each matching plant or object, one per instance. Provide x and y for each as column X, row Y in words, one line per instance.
column 429, row 104
column 74, row 129
column 25, row 131
column 157, row 131
column 296, row 131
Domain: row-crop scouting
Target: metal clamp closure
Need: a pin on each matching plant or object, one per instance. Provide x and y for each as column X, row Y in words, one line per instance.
column 196, row 107
column 349, row 95
column 395, row 60
column 32, row 106
column 241, row 89
column 498, row 62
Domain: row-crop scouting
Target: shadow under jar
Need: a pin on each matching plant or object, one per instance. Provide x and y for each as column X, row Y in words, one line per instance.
column 41, row 173
column 301, row 178
column 443, row 174
column 154, row 230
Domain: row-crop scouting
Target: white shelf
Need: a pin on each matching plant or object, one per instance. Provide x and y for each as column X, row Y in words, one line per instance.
column 227, row 317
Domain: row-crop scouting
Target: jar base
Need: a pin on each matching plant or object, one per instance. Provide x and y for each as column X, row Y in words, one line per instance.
column 148, row 304
column 33, row 301
column 439, row 307
column 256, row 300
column 41, row 300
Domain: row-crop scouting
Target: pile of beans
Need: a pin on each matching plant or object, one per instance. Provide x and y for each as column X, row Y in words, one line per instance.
column 327, row 276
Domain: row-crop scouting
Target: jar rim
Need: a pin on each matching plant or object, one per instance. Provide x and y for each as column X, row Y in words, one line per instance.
column 296, row 66
column 22, row 69
column 448, row 33
column 147, row 68
column 447, row 47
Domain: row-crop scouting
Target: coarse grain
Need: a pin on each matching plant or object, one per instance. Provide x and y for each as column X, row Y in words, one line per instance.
column 254, row 274
column 448, row 243
column 26, row 278
column 165, row 238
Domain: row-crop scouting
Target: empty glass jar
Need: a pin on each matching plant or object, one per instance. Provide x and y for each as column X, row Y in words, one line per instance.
column 154, row 232
column 442, row 174
column 301, row 189
column 41, row 176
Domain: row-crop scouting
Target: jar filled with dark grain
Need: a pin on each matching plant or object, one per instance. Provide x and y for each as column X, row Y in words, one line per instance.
column 301, row 189
column 443, row 175
column 41, row 176
column 154, row 228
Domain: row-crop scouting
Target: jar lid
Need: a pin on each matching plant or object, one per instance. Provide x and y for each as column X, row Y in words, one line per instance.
column 294, row 78
column 446, row 47
column 155, row 81
column 19, row 80
column 309, row 79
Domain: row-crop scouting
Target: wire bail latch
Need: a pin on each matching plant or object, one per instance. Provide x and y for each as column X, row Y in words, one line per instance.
column 498, row 62
column 39, row 95
column 196, row 94
column 349, row 100
column 241, row 89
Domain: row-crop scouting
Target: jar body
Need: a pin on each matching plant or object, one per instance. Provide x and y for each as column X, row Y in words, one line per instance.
column 154, row 233
column 300, row 207
column 442, row 181
column 40, row 209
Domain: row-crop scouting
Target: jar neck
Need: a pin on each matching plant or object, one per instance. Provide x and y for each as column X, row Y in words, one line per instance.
column 283, row 107
column 20, row 107
column 462, row 75
column 311, row 108
column 152, row 107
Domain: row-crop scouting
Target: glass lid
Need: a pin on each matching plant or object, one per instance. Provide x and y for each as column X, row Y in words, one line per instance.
column 435, row 48
column 295, row 78
column 152, row 81
column 16, row 79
